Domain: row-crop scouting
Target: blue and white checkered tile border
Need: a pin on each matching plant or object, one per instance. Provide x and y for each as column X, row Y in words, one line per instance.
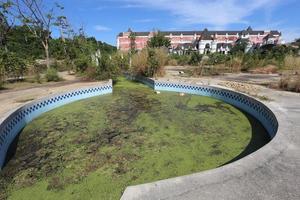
column 15, row 122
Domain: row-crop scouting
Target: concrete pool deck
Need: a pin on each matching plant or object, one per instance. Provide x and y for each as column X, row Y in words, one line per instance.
column 272, row 172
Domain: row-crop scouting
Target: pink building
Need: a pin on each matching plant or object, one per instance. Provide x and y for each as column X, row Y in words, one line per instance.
column 202, row 41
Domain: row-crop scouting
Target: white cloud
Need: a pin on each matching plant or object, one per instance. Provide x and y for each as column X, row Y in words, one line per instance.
column 131, row 6
column 144, row 20
column 214, row 12
column 101, row 28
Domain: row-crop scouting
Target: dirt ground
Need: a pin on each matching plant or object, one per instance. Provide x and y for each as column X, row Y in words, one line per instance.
column 13, row 98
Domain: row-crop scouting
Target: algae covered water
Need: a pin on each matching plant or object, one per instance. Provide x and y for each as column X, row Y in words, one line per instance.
column 95, row 148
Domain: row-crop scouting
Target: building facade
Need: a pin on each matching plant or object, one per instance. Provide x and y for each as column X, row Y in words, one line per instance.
column 201, row 41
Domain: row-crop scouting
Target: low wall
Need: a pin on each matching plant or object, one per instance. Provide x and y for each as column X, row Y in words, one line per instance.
column 11, row 126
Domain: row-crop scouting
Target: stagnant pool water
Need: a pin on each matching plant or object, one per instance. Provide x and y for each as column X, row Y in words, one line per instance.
column 94, row 149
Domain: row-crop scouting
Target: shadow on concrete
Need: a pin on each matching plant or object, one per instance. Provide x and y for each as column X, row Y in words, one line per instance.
column 260, row 137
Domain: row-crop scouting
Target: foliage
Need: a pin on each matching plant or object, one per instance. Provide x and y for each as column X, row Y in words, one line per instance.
column 235, row 63
column 290, row 83
column 21, row 41
column 132, row 38
column 195, row 59
column 82, row 63
column 121, row 60
column 239, row 47
column 251, row 60
column 153, row 63
column 217, row 58
column 150, row 62
column 139, row 62
column 52, row 75
column 106, row 69
column 159, row 40
column 292, row 62
column 181, row 59
column 12, row 64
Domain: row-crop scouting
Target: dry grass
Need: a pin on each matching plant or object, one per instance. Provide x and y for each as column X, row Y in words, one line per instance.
column 235, row 64
column 172, row 62
column 292, row 63
column 290, row 83
column 139, row 62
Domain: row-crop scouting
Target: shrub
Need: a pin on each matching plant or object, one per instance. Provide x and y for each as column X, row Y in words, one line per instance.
column 2, row 75
column 292, row 62
column 235, row 63
column 217, row 58
column 172, row 62
column 52, row 75
column 153, row 63
column 251, row 60
column 139, row 62
column 12, row 65
column 181, row 59
column 106, row 69
column 195, row 59
column 150, row 62
column 290, row 83
column 162, row 56
column 82, row 63
column 121, row 60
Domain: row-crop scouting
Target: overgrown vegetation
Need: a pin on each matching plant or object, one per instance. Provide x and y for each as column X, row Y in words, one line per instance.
column 96, row 148
column 150, row 62
column 27, row 48
column 52, row 75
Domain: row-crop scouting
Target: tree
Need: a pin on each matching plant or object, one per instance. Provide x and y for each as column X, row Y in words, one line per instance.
column 239, row 47
column 39, row 21
column 5, row 26
column 159, row 40
column 132, row 38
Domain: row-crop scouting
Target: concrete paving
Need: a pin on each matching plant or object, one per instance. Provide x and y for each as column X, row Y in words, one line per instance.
column 272, row 172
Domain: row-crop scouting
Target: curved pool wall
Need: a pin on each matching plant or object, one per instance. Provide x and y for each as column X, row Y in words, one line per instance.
column 11, row 126
column 248, row 104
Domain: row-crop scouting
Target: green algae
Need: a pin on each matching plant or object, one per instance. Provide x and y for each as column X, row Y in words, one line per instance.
column 94, row 149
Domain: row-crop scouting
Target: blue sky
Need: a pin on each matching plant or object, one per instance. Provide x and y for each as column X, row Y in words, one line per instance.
column 104, row 19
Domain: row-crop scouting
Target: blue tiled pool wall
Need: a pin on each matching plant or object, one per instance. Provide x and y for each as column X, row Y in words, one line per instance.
column 15, row 122
column 147, row 81
column 257, row 109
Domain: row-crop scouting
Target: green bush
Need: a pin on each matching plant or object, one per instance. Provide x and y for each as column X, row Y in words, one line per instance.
column 82, row 63
column 217, row 58
column 153, row 63
column 106, row 69
column 251, row 60
column 52, row 75
column 12, row 65
column 195, row 59
column 181, row 59
column 121, row 60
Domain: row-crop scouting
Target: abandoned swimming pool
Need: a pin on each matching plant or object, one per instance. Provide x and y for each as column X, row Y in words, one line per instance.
column 97, row 147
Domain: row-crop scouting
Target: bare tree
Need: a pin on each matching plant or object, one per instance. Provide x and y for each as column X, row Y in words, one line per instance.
column 38, row 20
